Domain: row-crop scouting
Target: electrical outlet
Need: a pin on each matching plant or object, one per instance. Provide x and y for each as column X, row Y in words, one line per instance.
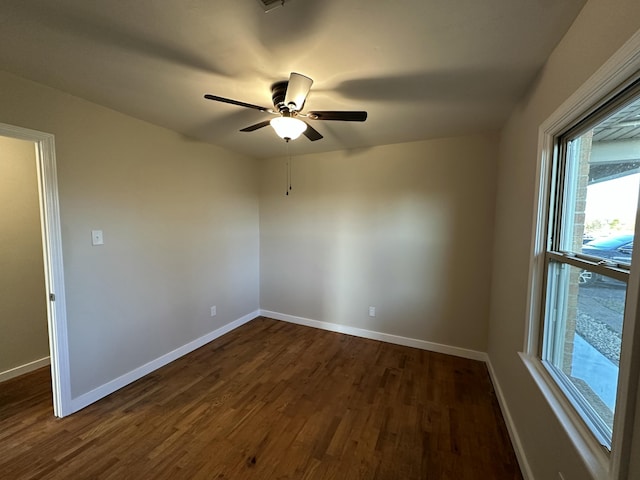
column 96, row 237
column 213, row 311
column 372, row 311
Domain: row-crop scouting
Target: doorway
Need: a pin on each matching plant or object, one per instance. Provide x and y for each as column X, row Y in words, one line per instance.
column 52, row 259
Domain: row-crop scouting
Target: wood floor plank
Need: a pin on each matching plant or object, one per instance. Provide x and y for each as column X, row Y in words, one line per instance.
column 270, row 400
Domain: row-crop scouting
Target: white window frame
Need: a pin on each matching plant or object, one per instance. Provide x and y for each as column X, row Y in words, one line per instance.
column 606, row 82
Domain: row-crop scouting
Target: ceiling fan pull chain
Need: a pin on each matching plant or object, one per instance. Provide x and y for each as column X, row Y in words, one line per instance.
column 290, row 170
column 288, row 185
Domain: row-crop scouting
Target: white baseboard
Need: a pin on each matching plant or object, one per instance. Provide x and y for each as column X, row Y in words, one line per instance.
column 511, row 428
column 108, row 388
column 22, row 369
column 383, row 337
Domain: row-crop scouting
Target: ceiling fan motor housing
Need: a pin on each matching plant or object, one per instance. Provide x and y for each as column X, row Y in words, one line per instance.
column 269, row 5
column 278, row 94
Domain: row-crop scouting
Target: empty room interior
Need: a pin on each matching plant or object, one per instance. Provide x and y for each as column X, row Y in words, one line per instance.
column 303, row 239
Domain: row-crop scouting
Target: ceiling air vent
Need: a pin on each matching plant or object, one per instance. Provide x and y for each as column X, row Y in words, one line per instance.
column 269, row 5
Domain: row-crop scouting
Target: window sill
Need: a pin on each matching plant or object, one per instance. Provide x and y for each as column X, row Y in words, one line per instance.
column 594, row 456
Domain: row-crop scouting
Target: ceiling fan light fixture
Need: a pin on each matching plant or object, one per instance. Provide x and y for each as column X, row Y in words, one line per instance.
column 288, row 128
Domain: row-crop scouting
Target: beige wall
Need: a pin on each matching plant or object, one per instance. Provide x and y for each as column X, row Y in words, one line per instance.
column 180, row 223
column 597, row 33
column 23, row 312
column 406, row 228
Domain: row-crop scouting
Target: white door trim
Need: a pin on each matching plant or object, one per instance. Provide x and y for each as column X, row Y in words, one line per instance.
column 53, row 266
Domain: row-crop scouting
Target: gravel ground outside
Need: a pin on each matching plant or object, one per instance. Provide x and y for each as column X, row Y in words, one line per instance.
column 600, row 314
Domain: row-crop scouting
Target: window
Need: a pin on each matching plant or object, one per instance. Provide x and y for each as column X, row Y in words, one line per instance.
column 590, row 212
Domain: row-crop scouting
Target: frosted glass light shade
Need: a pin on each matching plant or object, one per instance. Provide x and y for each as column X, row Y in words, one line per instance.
column 288, row 127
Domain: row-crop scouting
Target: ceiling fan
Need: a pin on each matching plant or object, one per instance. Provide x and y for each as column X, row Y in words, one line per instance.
column 288, row 101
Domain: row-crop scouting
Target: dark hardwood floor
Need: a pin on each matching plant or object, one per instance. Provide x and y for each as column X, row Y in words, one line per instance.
column 270, row 400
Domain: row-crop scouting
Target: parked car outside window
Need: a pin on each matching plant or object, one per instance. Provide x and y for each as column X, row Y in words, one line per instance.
column 616, row 249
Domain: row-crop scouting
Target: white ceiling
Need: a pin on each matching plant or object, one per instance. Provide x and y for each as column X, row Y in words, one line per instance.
column 421, row 68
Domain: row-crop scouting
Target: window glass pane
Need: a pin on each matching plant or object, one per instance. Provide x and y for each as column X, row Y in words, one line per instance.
column 593, row 205
column 602, row 176
column 583, row 332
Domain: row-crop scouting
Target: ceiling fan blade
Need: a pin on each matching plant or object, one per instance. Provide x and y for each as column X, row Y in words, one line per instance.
column 311, row 133
column 235, row 102
column 333, row 115
column 297, row 91
column 251, row 128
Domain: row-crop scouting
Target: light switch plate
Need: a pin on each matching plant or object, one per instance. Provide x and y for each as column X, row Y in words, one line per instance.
column 96, row 237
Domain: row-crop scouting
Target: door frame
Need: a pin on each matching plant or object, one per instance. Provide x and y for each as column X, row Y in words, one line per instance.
column 53, row 265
